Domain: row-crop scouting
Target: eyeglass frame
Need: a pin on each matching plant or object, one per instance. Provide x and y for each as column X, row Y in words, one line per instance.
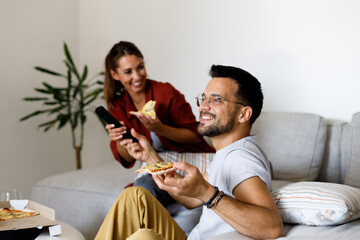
column 210, row 99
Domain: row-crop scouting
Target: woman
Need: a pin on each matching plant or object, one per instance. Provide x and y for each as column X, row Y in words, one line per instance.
column 126, row 89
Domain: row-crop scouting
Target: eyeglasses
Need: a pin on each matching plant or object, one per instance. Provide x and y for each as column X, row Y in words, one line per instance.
column 215, row 100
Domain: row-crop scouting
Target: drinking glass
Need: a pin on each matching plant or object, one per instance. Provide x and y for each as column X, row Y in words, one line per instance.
column 15, row 195
column 5, row 196
column 12, row 195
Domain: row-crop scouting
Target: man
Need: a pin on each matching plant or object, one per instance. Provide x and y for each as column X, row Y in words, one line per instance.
column 235, row 192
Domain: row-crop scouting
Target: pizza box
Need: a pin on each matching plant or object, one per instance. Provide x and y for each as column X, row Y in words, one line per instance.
column 28, row 225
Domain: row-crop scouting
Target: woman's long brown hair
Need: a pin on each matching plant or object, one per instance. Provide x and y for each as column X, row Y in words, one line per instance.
column 112, row 87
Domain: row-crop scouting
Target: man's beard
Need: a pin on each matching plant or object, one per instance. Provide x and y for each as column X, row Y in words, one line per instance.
column 217, row 129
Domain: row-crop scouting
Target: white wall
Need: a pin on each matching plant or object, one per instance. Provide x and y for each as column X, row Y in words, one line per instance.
column 305, row 53
column 32, row 33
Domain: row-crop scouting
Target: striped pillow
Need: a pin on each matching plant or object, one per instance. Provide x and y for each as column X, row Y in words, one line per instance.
column 317, row 203
column 201, row 160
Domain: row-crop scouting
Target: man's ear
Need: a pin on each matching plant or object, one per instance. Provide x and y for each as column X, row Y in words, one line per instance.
column 245, row 114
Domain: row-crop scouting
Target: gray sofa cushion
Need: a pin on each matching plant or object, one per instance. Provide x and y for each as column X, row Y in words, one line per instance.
column 293, row 142
column 345, row 151
column 332, row 165
column 353, row 171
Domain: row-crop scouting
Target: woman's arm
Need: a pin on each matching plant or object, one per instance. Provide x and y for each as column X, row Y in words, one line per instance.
column 182, row 135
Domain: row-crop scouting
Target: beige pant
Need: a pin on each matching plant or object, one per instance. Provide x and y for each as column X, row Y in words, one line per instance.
column 136, row 212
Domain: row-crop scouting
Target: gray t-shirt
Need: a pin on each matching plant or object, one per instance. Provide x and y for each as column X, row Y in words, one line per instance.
column 231, row 165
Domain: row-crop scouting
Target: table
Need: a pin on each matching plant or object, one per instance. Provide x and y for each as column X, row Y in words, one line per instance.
column 68, row 233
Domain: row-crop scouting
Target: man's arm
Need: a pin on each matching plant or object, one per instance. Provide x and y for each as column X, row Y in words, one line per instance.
column 252, row 212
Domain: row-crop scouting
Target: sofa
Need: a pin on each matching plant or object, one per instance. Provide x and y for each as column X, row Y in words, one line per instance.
column 310, row 156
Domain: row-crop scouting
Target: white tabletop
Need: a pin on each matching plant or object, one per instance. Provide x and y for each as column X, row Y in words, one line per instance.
column 67, row 233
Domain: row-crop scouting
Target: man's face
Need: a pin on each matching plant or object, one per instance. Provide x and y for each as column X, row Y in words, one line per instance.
column 216, row 116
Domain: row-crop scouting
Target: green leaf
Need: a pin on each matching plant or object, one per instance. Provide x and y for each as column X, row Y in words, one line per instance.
column 35, row 98
column 76, row 91
column 46, row 91
column 85, row 73
column 90, row 101
column 48, row 124
column 55, row 110
column 63, row 119
column 47, row 85
column 95, row 93
column 32, row 114
column 51, row 103
column 60, row 96
column 44, row 70
column 52, row 122
column 70, row 67
column 93, row 96
column 70, row 63
column 46, row 129
column 67, row 54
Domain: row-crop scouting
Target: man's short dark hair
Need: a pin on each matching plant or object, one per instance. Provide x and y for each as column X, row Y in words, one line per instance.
column 249, row 88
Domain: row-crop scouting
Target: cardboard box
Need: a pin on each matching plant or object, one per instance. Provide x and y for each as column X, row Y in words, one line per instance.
column 46, row 218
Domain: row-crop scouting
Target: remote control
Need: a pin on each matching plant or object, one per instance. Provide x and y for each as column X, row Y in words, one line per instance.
column 110, row 119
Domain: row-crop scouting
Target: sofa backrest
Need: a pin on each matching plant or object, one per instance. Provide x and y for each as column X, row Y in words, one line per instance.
column 352, row 157
column 293, row 142
column 333, row 168
column 342, row 154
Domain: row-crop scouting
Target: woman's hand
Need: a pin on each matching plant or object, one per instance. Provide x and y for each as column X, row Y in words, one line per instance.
column 116, row 134
column 153, row 125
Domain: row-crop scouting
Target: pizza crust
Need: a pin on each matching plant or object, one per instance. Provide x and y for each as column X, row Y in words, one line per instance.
column 163, row 171
column 148, row 109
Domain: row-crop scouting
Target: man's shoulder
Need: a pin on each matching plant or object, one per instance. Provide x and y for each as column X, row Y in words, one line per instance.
column 246, row 144
column 245, row 150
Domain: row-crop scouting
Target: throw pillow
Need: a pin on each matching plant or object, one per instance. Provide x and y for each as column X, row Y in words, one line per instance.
column 317, row 203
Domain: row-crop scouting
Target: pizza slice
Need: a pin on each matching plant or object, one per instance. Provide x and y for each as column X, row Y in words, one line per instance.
column 157, row 168
column 148, row 109
column 7, row 214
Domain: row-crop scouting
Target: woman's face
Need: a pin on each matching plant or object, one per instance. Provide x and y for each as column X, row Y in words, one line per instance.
column 131, row 73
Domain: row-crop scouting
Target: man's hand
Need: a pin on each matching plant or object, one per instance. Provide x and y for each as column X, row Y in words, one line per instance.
column 193, row 185
column 142, row 150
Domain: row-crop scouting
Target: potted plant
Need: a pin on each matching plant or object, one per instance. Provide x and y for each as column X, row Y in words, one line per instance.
column 68, row 105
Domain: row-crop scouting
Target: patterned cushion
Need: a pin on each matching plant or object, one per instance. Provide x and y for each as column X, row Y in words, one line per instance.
column 317, row 203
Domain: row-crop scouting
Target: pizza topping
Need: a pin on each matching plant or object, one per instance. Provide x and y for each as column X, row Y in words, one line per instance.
column 6, row 213
column 157, row 168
